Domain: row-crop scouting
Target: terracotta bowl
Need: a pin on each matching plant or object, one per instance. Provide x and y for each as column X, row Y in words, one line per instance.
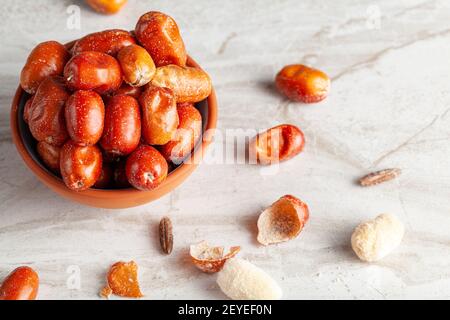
column 113, row 198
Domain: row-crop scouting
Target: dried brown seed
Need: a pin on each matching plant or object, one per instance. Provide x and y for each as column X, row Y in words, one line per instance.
column 379, row 177
column 166, row 235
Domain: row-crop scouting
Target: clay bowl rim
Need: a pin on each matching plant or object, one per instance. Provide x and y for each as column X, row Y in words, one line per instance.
column 181, row 172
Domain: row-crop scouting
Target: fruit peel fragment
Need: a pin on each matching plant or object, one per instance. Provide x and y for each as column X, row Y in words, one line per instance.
column 210, row 259
column 282, row 221
column 122, row 280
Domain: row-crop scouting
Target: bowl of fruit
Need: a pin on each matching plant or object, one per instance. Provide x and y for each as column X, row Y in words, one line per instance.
column 115, row 119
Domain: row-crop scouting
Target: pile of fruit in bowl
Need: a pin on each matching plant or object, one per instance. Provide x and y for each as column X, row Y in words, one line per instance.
column 115, row 109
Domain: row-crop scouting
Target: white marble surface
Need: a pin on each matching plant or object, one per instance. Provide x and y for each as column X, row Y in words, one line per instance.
column 389, row 107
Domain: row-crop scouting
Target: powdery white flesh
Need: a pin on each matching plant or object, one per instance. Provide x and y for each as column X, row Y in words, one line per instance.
column 241, row 280
column 375, row 239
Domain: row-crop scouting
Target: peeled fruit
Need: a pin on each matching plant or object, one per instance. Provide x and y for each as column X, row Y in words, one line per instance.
column 241, row 280
column 375, row 239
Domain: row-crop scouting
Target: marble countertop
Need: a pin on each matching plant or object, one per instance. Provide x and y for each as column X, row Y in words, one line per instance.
column 389, row 107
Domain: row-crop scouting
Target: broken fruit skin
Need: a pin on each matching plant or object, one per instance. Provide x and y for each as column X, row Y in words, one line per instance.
column 106, row 292
column 241, row 280
column 282, row 221
column 277, row 144
column 123, row 281
column 210, row 259
column 300, row 204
